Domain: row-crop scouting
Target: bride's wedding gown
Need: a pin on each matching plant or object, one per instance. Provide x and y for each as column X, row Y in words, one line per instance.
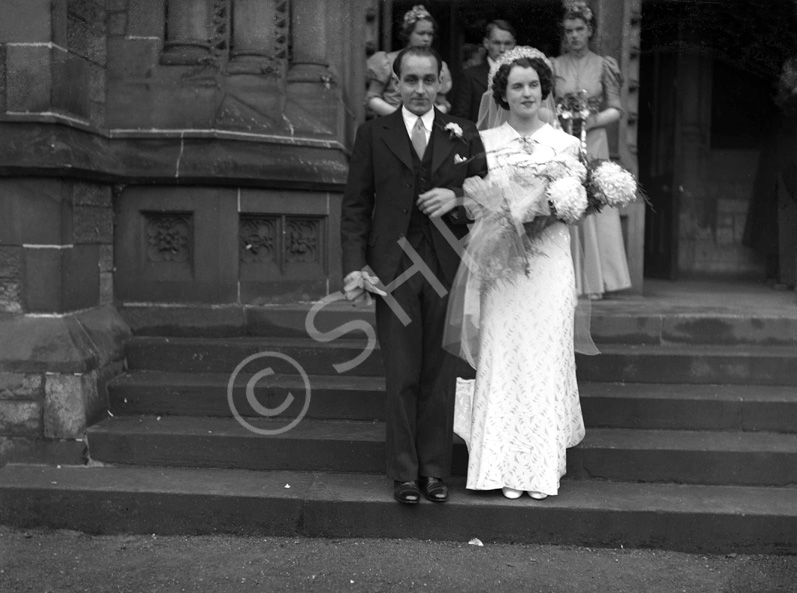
column 525, row 407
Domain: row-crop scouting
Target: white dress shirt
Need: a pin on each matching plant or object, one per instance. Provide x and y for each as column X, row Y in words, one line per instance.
column 410, row 119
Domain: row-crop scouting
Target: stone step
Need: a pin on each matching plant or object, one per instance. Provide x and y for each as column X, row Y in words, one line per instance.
column 618, row 405
column 169, row 501
column 698, row 457
column 225, row 355
column 206, row 394
column 738, row 365
column 638, row 321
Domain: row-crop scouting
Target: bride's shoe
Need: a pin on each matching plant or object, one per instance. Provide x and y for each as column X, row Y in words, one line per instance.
column 512, row 493
column 537, row 495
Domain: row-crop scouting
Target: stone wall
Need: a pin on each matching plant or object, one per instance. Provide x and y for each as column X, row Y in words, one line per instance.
column 54, row 58
column 143, row 141
column 53, row 373
column 222, row 245
column 56, row 245
column 61, row 338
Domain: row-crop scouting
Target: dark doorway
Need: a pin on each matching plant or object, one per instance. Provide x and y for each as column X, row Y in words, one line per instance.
column 657, row 141
column 745, row 43
column 463, row 22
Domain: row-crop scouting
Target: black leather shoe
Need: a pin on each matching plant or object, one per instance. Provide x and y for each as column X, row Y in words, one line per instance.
column 434, row 489
column 406, row 492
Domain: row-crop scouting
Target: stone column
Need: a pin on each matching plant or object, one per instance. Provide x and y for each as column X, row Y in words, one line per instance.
column 698, row 211
column 617, row 35
column 314, row 103
column 188, row 32
column 259, row 37
column 309, row 34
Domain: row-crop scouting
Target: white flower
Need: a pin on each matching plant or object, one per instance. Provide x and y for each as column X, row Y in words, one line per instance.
column 459, row 159
column 569, row 198
column 566, row 165
column 454, row 130
column 614, row 186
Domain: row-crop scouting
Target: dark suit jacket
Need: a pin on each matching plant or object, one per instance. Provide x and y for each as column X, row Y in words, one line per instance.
column 471, row 88
column 380, row 192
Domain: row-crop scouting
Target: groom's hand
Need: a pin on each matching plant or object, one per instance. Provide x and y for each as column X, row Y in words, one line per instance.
column 437, row 201
column 358, row 286
column 353, row 288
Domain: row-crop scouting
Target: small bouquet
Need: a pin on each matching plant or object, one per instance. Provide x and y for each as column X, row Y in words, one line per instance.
column 573, row 110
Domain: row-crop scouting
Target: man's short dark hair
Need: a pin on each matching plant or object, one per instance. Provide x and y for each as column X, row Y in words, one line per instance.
column 499, row 24
column 421, row 52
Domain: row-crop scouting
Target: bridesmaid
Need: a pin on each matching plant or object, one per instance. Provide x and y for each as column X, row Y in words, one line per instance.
column 603, row 267
column 417, row 30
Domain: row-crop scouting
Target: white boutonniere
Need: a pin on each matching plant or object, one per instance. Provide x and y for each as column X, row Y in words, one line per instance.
column 454, row 130
column 459, row 159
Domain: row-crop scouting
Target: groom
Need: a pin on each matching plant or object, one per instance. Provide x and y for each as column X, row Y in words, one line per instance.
column 407, row 170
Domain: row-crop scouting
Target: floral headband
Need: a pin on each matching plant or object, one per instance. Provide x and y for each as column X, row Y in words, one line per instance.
column 577, row 8
column 417, row 13
column 521, row 51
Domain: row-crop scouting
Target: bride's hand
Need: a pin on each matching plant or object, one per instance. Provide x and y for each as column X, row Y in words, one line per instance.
column 437, row 201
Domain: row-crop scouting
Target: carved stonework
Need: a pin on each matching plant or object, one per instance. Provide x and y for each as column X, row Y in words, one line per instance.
column 234, row 36
column 303, row 240
column 220, row 31
column 168, row 236
column 258, row 238
column 282, row 23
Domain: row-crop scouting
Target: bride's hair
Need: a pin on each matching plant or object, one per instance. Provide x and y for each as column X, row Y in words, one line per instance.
column 502, row 76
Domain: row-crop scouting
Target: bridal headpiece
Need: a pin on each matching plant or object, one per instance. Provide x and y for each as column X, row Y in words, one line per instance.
column 521, row 51
column 415, row 14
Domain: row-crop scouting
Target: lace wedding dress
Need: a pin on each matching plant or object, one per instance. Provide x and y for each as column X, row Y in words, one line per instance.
column 524, row 412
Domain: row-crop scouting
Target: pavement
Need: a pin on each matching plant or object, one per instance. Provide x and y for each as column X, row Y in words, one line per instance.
column 69, row 561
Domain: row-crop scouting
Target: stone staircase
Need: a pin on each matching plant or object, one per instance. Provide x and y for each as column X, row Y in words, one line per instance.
column 691, row 439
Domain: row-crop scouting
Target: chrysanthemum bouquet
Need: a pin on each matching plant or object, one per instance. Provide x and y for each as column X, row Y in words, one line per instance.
column 512, row 216
column 577, row 189
column 610, row 185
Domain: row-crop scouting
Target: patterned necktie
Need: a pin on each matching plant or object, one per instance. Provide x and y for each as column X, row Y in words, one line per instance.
column 419, row 137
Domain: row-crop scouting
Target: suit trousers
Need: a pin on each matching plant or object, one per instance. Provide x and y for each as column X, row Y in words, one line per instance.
column 419, row 374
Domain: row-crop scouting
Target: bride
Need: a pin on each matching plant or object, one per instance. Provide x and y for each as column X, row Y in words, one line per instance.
column 512, row 310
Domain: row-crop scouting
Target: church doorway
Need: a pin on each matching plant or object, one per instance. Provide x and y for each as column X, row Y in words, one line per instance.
column 707, row 123
column 462, row 25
